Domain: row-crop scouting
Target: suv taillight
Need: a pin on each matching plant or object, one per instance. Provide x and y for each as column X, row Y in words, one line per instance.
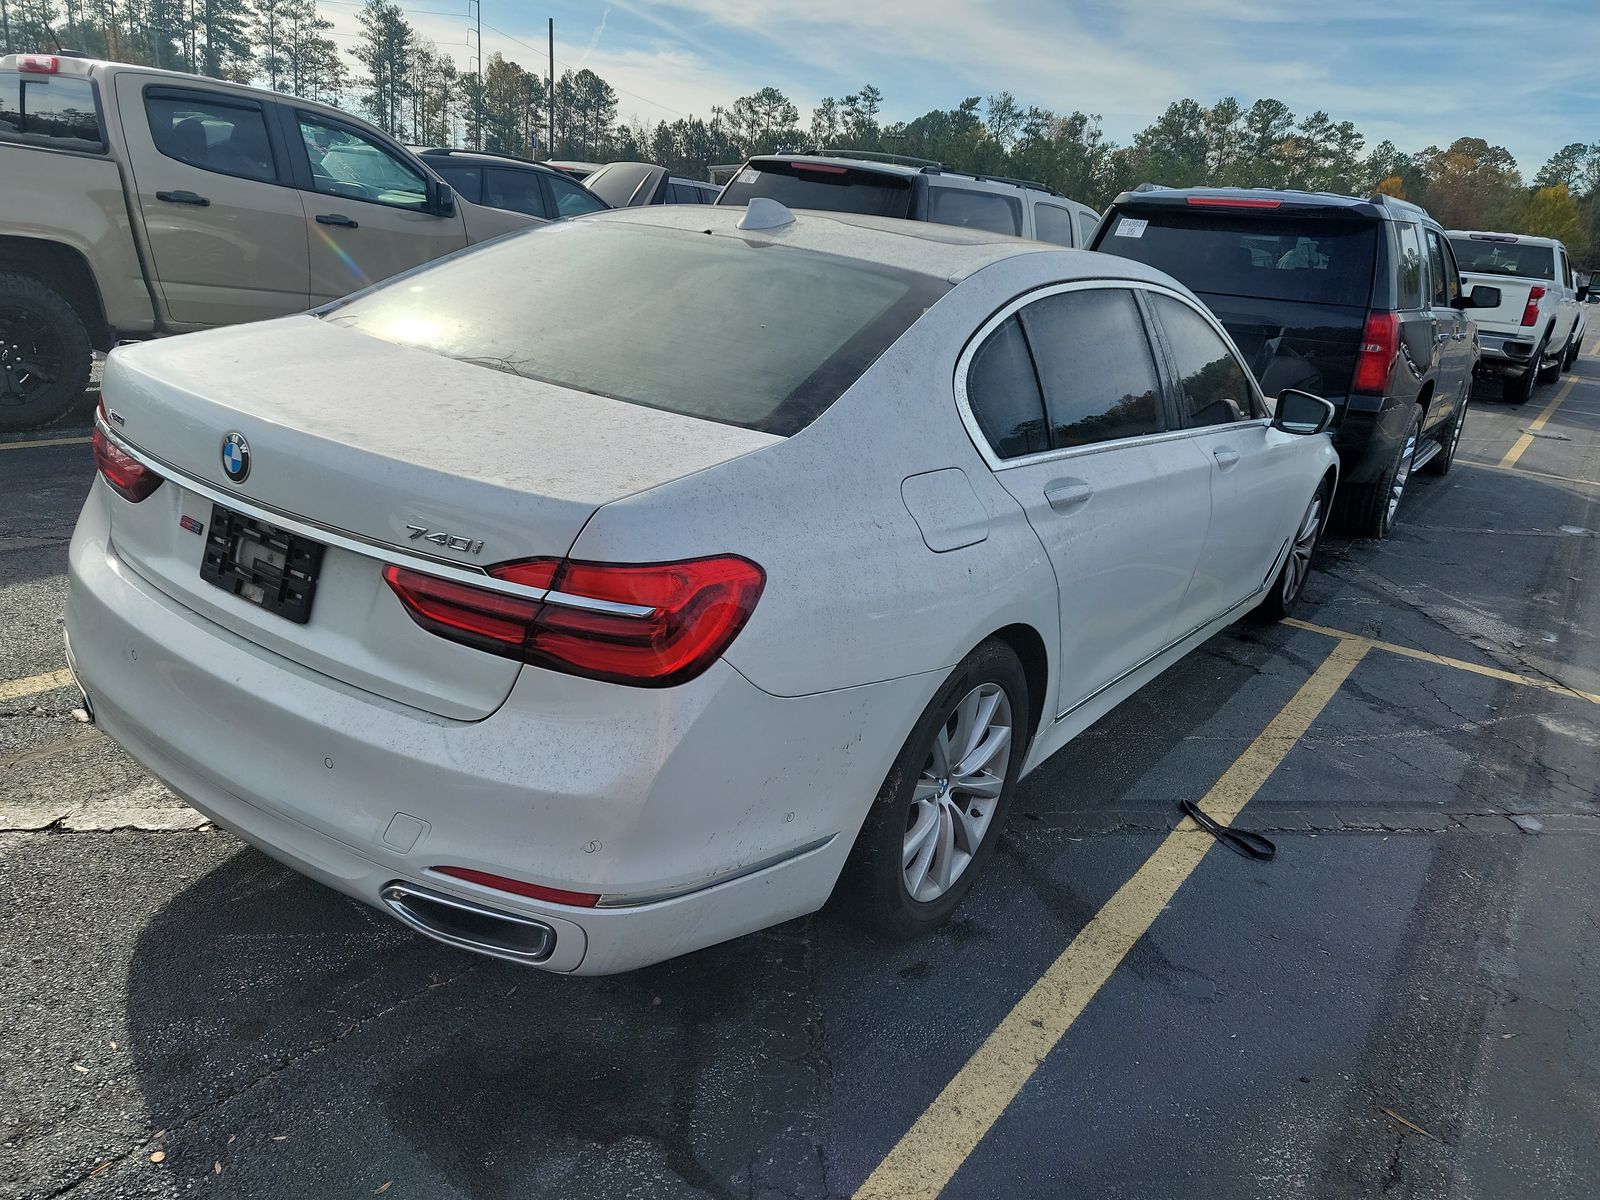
column 128, row 477
column 1530, row 311
column 648, row 625
column 1380, row 342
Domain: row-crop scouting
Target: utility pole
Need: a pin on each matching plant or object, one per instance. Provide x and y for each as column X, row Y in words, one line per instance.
column 478, row 141
column 550, row 95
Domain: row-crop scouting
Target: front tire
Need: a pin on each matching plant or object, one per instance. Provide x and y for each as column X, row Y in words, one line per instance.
column 45, row 356
column 1368, row 509
column 938, row 816
column 1449, row 439
column 1287, row 588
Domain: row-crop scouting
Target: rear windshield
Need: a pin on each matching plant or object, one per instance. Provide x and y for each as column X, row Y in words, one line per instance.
column 49, row 110
column 752, row 334
column 1527, row 260
column 828, row 186
column 1275, row 258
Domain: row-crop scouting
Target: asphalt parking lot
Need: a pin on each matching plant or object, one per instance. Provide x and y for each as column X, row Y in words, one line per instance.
column 1401, row 1003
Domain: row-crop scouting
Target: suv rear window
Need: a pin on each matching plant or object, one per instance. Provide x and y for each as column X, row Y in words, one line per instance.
column 762, row 336
column 49, row 110
column 831, row 187
column 1524, row 259
column 972, row 209
column 1322, row 260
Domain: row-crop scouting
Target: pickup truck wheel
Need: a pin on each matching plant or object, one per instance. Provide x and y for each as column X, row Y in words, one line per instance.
column 1571, row 355
column 1368, row 509
column 45, row 355
column 1519, row 388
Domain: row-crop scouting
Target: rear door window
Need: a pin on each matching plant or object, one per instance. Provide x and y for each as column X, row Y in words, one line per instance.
column 1213, row 386
column 831, row 187
column 50, row 110
column 1096, row 366
column 467, row 180
column 1410, row 273
column 519, row 191
column 1441, row 272
column 973, row 209
column 1003, row 393
column 1052, row 223
column 212, row 132
column 1318, row 259
column 1087, row 223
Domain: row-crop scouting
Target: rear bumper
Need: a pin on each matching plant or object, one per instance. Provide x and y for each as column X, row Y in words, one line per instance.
column 738, row 807
column 1500, row 351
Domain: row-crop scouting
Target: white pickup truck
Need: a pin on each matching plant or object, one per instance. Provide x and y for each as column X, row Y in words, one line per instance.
column 1535, row 333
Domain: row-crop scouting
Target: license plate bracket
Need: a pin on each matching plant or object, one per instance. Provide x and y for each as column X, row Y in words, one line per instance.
column 267, row 566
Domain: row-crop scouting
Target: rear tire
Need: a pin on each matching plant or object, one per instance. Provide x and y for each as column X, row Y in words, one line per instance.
column 1549, row 372
column 1571, row 355
column 1368, row 509
column 45, row 356
column 932, row 828
column 1290, row 585
column 1519, row 388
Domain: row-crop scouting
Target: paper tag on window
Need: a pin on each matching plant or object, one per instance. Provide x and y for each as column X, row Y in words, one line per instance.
column 1131, row 227
column 749, row 175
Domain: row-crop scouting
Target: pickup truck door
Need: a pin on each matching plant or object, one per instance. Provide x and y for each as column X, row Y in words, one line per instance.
column 365, row 206
column 223, row 222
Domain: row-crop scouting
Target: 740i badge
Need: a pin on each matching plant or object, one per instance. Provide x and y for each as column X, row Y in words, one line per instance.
column 450, row 541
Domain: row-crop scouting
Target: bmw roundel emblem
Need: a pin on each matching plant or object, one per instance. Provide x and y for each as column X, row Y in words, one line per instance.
column 236, row 457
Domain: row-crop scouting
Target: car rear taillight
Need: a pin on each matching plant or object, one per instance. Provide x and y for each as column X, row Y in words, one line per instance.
column 648, row 625
column 1530, row 311
column 824, row 168
column 1232, row 202
column 128, row 477
column 517, row 887
column 1380, row 342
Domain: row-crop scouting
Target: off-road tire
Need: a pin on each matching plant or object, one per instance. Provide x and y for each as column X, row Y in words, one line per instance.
column 28, row 308
column 874, row 880
column 1518, row 389
column 1363, row 509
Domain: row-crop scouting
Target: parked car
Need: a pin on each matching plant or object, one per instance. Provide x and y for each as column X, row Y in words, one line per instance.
column 1358, row 301
column 916, row 189
column 578, row 170
column 501, row 181
column 1536, row 331
column 520, row 639
column 137, row 202
column 631, row 184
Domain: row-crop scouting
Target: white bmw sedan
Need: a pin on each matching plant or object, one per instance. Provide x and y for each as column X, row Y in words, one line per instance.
column 616, row 588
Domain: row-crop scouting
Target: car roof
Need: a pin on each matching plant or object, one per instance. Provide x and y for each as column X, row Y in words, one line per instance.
column 1377, row 207
column 891, row 164
column 474, row 155
column 945, row 251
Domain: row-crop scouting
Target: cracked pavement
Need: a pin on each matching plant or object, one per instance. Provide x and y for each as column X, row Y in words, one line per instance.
column 1400, row 1004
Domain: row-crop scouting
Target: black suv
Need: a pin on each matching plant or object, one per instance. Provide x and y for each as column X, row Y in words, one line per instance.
column 1358, row 301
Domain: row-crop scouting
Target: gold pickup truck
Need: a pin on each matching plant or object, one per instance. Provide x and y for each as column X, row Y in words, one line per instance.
column 136, row 203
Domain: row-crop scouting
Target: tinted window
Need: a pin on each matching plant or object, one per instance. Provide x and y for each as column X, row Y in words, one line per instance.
column 507, row 187
column 465, row 179
column 1052, row 224
column 1452, row 275
column 1485, row 257
column 1095, row 364
column 1440, row 274
column 1087, row 222
column 762, row 336
column 211, row 134
column 974, row 210
column 1213, row 388
column 1003, row 393
column 345, row 162
column 624, row 184
column 58, row 111
column 828, row 186
column 1410, row 272
column 571, row 200
column 1277, row 258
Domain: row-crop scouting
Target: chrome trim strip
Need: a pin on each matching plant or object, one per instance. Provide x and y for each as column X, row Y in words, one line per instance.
column 396, row 894
column 637, row 899
column 970, row 350
column 389, row 554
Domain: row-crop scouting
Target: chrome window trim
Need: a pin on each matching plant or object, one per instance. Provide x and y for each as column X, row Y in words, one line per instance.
column 976, row 341
column 390, row 555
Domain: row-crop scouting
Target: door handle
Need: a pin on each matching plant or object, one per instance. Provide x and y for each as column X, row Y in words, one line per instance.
column 183, row 198
column 1065, row 495
column 1225, row 456
column 336, row 219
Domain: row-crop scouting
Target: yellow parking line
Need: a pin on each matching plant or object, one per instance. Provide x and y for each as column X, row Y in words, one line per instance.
column 1487, row 466
column 1526, row 440
column 931, row 1152
column 1533, row 681
column 63, row 441
column 15, row 689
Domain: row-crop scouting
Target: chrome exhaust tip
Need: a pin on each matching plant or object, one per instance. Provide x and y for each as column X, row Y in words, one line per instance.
column 468, row 925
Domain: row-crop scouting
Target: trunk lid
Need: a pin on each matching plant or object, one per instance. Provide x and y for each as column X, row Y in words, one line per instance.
column 371, row 442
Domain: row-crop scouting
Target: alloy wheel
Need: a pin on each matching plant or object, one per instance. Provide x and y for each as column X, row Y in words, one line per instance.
column 1402, row 472
column 1305, row 544
column 957, row 792
column 29, row 351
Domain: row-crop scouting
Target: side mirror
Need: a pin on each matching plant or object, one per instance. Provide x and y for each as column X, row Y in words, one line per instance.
column 1301, row 412
column 441, row 199
column 1482, row 296
column 1583, row 294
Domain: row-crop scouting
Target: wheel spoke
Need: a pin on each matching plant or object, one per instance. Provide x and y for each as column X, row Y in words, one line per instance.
column 941, row 752
column 984, row 785
column 981, row 755
column 920, row 837
column 969, row 725
column 942, row 869
column 969, row 827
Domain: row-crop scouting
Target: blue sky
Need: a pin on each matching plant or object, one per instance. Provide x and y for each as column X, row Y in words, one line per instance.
column 1522, row 74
